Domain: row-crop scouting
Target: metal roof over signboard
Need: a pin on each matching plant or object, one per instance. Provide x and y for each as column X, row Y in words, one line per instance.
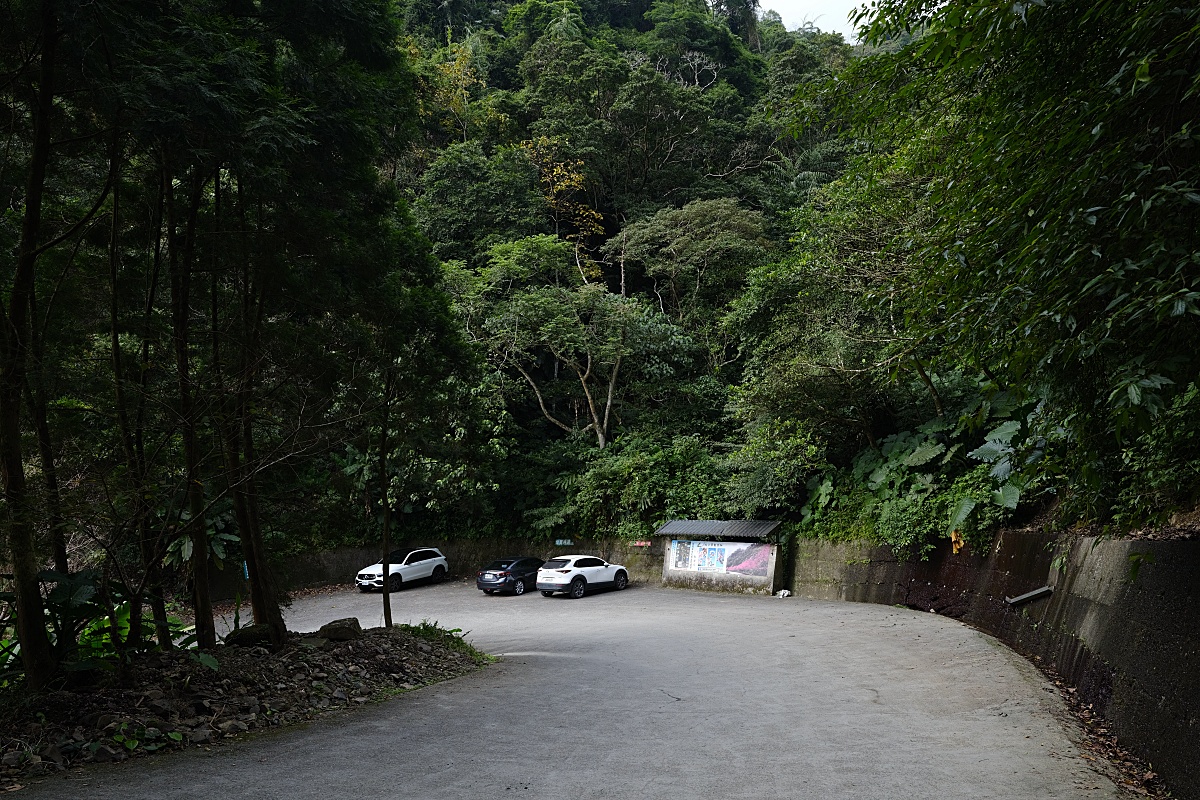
column 737, row 529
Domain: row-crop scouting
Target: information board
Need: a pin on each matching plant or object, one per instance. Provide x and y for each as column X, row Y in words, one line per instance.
column 740, row 558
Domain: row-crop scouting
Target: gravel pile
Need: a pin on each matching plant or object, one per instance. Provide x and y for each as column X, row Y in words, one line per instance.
column 169, row 701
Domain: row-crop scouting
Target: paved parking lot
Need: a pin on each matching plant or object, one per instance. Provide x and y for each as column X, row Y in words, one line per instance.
column 660, row 693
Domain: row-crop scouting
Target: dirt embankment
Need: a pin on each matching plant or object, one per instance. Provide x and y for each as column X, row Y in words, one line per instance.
column 182, row 698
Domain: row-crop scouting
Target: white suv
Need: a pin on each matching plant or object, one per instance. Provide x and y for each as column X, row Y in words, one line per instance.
column 404, row 566
column 578, row 574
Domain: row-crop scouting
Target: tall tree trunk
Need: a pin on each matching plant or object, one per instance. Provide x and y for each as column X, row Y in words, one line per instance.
column 35, row 385
column 150, row 537
column 38, row 410
column 238, row 438
column 36, row 654
column 180, row 253
column 265, row 594
column 136, row 470
column 385, row 485
column 933, row 392
column 264, row 589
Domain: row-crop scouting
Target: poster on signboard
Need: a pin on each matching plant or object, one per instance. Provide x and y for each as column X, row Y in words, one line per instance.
column 681, row 554
column 742, row 558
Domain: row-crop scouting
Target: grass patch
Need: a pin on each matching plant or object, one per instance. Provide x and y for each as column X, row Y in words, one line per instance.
column 451, row 639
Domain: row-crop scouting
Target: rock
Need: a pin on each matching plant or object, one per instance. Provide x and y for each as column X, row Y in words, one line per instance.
column 104, row 754
column 315, row 642
column 200, row 736
column 52, row 753
column 233, row 726
column 341, row 630
column 12, row 758
column 249, row 636
column 162, row 707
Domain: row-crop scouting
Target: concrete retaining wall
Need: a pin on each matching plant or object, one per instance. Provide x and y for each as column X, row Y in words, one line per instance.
column 1122, row 625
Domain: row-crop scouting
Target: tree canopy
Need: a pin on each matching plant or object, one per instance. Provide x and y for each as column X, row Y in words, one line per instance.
column 286, row 277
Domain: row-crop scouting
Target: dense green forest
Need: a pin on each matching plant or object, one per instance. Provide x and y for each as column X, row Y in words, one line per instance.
column 289, row 276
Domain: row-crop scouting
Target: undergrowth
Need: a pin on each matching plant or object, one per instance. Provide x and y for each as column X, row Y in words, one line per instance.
column 452, row 639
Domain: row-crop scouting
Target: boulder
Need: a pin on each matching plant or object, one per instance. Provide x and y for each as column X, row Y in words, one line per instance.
column 104, row 754
column 52, row 753
column 249, row 636
column 200, row 736
column 341, row 630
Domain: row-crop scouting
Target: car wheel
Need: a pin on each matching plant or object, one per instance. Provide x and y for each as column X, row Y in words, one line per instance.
column 547, row 594
column 439, row 574
column 576, row 590
column 519, row 587
column 621, row 582
column 394, row 583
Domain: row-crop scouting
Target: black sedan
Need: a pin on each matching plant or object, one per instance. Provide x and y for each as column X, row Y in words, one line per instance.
column 509, row 575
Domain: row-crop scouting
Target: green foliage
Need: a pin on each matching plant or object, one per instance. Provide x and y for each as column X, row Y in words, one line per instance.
column 1055, row 141
column 770, row 469
column 452, row 639
column 918, row 487
column 89, row 620
column 206, row 660
column 631, row 487
column 179, row 551
column 579, row 267
column 469, row 200
column 696, row 257
column 1159, row 470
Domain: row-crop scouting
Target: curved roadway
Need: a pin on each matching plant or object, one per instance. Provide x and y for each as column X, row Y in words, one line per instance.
column 658, row 693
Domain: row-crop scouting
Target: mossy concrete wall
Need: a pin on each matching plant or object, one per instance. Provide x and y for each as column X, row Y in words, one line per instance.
column 1122, row 624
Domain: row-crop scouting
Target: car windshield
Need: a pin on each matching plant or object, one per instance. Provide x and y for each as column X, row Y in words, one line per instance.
column 395, row 557
column 557, row 563
column 501, row 564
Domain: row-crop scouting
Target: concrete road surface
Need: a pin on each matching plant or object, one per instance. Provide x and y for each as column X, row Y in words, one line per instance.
column 657, row 693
